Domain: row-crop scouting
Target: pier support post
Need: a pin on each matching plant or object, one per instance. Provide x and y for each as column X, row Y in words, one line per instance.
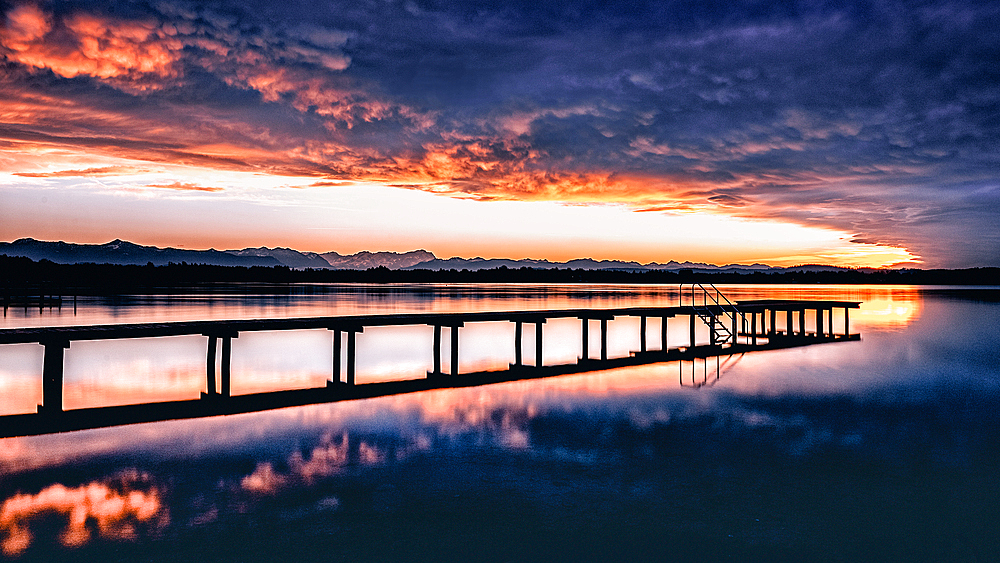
column 847, row 322
column 518, row 333
column 538, row 342
column 225, row 372
column 454, row 349
column 691, row 331
column 339, row 353
column 753, row 328
column 802, row 322
column 585, row 331
column 789, row 327
column 453, row 352
column 663, row 334
column 210, row 367
column 437, row 350
column 227, row 354
column 774, row 322
column 335, row 378
column 604, row 340
column 351, row 355
column 642, row 333
column 819, row 322
column 52, row 376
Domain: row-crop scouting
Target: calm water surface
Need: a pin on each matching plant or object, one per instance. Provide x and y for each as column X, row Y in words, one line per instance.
column 883, row 449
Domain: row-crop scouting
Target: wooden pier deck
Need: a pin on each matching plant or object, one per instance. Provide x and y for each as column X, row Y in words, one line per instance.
column 734, row 328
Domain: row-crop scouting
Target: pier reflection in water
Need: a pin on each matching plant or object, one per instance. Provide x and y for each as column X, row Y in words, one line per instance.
column 872, row 450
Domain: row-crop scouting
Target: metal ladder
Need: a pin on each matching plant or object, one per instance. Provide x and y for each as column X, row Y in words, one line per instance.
column 720, row 331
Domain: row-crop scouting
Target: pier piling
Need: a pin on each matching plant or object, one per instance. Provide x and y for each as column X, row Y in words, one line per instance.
column 211, row 385
column 437, row 350
column 518, row 333
column 691, row 328
column 351, row 347
column 52, row 376
column 454, row 349
column 210, row 366
column 453, row 352
column 335, row 376
column 227, row 355
column 538, row 342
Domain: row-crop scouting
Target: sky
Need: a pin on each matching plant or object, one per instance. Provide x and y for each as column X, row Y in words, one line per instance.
column 833, row 132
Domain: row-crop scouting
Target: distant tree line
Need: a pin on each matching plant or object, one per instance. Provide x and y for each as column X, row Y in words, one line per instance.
column 18, row 273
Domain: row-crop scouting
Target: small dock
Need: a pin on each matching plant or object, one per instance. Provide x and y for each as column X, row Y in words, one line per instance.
column 32, row 300
column 734, row 328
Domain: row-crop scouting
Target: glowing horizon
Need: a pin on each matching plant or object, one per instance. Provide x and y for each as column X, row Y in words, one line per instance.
column 404, row 220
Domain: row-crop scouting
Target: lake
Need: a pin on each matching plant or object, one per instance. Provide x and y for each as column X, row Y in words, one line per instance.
column 872, row 450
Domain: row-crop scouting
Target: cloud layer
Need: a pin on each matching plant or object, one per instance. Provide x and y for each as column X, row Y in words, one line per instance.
column 874, row 118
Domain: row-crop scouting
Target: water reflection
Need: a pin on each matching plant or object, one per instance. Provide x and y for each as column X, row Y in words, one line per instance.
column 312, row 300
column 119, row 508
column 792, row 454
column 105, row 373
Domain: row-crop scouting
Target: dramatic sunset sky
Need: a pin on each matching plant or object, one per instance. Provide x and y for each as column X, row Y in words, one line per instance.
column 852, row 133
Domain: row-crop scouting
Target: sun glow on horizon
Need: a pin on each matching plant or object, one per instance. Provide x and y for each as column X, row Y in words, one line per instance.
column 194, row 207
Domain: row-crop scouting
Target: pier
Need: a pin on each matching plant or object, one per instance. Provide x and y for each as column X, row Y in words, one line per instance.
column 36, row 299
column 734, row 328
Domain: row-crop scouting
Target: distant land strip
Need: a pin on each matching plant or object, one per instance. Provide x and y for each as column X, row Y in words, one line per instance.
column 19, row 275
column 123, row 252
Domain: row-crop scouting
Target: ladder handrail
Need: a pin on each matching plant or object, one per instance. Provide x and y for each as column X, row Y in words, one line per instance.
column 719, row 300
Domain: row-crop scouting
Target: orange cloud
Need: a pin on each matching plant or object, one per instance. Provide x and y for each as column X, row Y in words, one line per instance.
column 343, row 103
column 329, row 184
column 118, row 508
column 505, row 170
column 26, row 24
column 145, row 54
column 121, row 51
column 184, row 186
column 88, row 172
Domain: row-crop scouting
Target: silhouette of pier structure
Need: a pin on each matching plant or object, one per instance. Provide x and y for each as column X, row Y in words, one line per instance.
column 30, row 299
column 734, row 328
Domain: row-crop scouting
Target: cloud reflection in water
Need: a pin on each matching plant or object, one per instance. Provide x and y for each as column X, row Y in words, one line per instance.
column 119, row 508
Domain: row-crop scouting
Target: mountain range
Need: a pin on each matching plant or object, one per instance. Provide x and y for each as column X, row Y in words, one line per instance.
column 128, row 253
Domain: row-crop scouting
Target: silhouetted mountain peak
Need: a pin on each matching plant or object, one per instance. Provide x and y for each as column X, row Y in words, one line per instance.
column 119, row 244
column 121, row 251
column 366, row 259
